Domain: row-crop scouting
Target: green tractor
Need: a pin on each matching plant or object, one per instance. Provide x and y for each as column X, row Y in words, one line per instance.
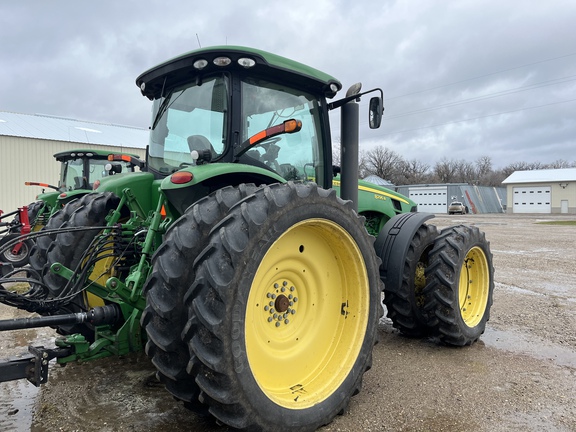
column 251, row 275
column 80, row 169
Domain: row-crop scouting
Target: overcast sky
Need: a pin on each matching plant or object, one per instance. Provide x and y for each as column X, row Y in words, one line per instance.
column 461, row 78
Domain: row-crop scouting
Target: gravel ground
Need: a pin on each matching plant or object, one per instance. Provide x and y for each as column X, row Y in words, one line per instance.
column 521, row 376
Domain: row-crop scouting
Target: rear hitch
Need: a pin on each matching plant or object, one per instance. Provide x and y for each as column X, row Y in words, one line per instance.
column 33, row 366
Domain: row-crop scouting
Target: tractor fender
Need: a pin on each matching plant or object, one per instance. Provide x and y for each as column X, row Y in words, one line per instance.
column 393, row 242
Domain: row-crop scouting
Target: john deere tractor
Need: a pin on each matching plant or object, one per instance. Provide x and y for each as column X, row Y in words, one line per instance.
column 79, row 170
column 251, row 276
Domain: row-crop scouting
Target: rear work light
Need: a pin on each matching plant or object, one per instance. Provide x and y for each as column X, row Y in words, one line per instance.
column 222, row 61
column 200, row 64
column 246, row 62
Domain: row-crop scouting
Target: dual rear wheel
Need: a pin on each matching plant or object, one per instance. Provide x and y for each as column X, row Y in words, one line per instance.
column 446, row 287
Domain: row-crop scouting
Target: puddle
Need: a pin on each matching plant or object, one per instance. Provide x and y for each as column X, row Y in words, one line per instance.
column 532, row 346
column 517, row 289
column 563, row 292
column 17, row 399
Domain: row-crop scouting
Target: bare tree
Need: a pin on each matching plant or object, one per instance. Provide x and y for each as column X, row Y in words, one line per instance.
column 483, row 166
column 445, row 171
column 560, row 163
column 417, row 172
column 384, row 163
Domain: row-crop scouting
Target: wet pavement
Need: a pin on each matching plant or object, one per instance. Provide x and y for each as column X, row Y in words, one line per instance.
column 521, row 376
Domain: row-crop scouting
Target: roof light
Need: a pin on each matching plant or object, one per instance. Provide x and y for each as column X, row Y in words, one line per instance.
column 181, row 177
column 222, row 61
column 333, row 87
column 246, row 62
column 200, row 64
column 142, row 86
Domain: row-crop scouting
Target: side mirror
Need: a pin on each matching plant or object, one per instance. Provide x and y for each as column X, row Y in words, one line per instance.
column 375, row 113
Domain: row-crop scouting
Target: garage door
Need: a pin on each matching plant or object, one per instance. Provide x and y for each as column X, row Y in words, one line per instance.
column 531, row 199
column 430, row 200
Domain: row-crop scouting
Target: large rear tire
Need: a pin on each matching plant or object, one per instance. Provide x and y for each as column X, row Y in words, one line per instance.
column 284, row 310
column 165, row 289
column 405, row 303
column 39, row 252
column 460, row 285
column 68, row 249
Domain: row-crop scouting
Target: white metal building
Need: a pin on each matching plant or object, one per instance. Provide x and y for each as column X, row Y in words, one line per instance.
column 542, row 191
column 29, row 141
column 435, row 198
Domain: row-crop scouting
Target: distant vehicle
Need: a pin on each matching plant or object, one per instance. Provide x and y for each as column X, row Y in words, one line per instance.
column 457, row 207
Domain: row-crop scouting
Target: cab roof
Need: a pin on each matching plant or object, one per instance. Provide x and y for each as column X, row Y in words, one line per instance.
column 182, row 69
column 91, row 153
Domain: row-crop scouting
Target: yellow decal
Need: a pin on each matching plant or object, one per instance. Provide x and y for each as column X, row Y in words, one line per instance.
column 378, row 194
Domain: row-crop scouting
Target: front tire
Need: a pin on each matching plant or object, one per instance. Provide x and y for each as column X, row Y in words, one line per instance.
column 284, row 310
column 460, row 285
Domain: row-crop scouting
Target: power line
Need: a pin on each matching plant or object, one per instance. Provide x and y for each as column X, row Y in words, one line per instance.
column 476, row 118
column 482, row 76
column 489, row 96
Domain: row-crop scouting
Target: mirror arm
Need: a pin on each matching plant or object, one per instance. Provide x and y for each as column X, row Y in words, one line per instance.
column 339, row 103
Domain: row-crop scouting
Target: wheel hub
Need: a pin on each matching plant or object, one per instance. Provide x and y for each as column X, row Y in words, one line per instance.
column 280, row 304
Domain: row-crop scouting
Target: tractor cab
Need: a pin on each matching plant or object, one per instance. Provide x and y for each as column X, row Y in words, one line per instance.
column 240, row 106
column 80, row 169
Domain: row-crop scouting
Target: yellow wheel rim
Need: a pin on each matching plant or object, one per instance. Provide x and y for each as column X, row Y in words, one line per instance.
column 307, row 313
column 474, row 286
column 101, row 272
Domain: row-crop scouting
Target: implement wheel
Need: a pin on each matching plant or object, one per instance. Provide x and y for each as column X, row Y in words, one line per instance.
column 7, row 255
column 460, row 285
column 405, row 303
column 284, row 310
column 172, row 273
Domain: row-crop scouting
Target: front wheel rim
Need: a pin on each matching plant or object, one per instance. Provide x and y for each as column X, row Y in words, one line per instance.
column 307, row 313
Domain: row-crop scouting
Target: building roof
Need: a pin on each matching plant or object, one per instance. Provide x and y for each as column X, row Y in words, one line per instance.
column 47, row 127
column 542, row 176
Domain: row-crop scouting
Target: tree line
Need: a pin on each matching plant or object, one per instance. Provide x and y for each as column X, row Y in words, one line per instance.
column 391, row 166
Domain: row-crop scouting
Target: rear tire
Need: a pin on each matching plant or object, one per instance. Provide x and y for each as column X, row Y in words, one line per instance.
column 284, row 310
column 68, row 249
column 460, row 285
column 165, row 289
column 405, row 303
column 39, row 252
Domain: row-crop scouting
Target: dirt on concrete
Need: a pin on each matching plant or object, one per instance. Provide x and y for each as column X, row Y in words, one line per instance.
column 521, row 375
